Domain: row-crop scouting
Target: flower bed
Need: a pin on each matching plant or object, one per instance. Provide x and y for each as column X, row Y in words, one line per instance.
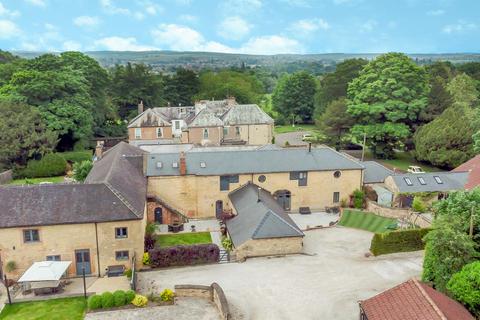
column 184, row 255
column 119, row 300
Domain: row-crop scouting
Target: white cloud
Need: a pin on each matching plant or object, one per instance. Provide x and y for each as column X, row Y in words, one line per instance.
column 38, row 3
column 273, row 44
column 177, row 37
column 307, row 26
column 152, row 8
column 234, row 28
column 188, row 18
column 460, row 27
column 121, row 44
column 438, row 12
column 8, row 29
column 241, row 6
column 86, row 21
column 298, row 3
column 368, row 26
column 70, row 45
column 8, row 13
column 110, row 7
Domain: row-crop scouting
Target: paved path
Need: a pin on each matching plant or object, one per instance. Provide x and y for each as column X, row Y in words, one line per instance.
column 217, row 238
column 184, row 309
column 326, row 285
column 314, row 219
column 293, row 138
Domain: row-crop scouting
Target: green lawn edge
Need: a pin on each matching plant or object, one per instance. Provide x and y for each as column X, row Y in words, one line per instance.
column 170, row 240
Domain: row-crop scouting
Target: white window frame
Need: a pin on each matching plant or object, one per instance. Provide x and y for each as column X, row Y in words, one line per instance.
column 176, row 125
column 205, row 133
column 237, row 131
column 438, row 180
column 422, row 181
column 138, row 133
column 408, row 181
column 160, row 129
column 225, row 131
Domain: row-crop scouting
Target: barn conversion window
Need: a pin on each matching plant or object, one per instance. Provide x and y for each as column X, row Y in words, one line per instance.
column 138, row 133
column 336, row 197
column 422, row 181
column 205, row 133
column 159, row 132
column 53, row 258
column 301, row 176
column 438, row 180
column 408, row 181
column 121, row 232
column 31, row 235
column 226, row 180
column 121, row 255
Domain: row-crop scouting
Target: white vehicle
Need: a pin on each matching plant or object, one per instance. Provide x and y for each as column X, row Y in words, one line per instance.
column 307, row 136
column 415, row 169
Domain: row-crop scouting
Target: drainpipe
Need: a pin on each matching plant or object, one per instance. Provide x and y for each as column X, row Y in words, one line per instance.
column 98, row 251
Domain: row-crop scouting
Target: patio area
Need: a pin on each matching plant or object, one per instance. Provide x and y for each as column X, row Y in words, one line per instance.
column 314, row 219
column 199, row 226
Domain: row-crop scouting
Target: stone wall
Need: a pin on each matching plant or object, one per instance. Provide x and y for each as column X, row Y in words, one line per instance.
column 213, row 293
column 6, row 176
column 269, row 247
column 399, row 213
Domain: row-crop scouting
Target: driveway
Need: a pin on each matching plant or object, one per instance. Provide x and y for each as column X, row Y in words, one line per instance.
column 293, row 138
column 324, row 285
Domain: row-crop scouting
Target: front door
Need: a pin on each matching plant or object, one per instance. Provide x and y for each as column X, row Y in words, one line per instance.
column 158, row 215
column 82, row 260
column 284, row 199
column 219, row 209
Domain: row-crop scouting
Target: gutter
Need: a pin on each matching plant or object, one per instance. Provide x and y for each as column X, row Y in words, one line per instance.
column 98, row 251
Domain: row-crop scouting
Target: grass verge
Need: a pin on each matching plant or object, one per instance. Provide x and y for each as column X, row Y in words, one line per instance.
column 365, row 221
column 58, row 179
column 55, row 309
column 169, row 240
column 298, row 127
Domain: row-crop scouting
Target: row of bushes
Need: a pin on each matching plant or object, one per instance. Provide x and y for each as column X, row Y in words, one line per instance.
column 184, row 255
column 109, row 300
column 398, row 241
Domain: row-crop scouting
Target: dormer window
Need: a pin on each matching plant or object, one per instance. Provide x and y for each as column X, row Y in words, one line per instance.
column 203, row 164
column 175, row 164
column 408, row 181
column 159, row 165
column 438, row 180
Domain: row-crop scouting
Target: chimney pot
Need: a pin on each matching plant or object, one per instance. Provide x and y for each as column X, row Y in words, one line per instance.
column 183, row 164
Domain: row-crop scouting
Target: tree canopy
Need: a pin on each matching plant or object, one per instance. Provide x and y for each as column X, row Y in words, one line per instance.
column 335, row 122
column 385, row 100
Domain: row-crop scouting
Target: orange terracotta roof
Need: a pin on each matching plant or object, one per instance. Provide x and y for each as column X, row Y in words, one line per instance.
column 413, row 300
column 472, row 166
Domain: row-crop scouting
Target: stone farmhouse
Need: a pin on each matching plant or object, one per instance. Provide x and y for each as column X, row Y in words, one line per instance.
column 207, row 123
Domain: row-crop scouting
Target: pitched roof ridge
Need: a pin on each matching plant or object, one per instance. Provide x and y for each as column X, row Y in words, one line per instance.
column 120, row 197
column 286, row 222
column 430, row 301
column 262, row 222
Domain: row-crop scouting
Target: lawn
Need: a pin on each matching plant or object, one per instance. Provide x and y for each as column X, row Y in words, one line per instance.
column 168, row 240
column 405, row 159
column 55, row 309
column 365, row 221
column 58, row 179
column 298, row 127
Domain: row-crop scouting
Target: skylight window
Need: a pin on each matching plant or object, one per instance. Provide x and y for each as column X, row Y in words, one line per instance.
column 175, row 164
column 422, row 181
column 203, row 164
column 437, row 178
column 159, row 165
column 408, row 181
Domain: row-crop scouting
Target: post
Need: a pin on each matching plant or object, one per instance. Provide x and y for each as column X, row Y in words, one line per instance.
column 84, row 282
column 363, row 147
column 8, row 290
column 471, row 222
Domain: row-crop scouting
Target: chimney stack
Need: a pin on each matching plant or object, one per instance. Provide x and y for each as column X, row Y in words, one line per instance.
column 99, row 149
column 183, row 164
column 140, row 107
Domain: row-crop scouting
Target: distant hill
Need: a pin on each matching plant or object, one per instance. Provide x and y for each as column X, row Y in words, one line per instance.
column 319, row 63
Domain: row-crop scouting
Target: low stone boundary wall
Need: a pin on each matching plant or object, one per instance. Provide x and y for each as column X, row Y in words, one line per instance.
column 6, row 176
column 398, row 213
column 213, row 293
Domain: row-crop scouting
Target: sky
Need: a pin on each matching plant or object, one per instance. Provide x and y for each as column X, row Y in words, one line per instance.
column 242, row 26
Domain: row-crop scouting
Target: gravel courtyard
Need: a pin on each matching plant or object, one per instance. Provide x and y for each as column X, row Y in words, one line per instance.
column 325, row 284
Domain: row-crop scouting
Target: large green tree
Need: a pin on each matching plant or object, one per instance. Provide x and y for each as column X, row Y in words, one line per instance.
column 334, row 85
column 181, row 87
column 294, row 96
column 464, row 286
column 386, row 100
column 24, row 134
column 246, row 88
column 335, row 122
column 447, row 141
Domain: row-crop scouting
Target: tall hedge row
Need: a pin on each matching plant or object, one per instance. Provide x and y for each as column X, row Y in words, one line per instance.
column 52, row 164
column 398, row 241
column 184, row 255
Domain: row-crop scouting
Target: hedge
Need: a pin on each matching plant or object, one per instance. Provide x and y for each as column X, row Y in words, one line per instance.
column 184, row 255
column 94, row 302
column 107, row 300
column 398, row 241
column 76, row 156
column 51, row 165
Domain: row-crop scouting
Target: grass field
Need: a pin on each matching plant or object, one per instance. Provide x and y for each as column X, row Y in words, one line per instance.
column 405, row 159
column 56, row 309
column 168, row 240
column 58, row 179
column 298, row 127
column 365, row 221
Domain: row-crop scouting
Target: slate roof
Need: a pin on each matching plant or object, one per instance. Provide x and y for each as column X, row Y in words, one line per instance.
column 251, row 161
column 450, row 181
column 246, row 114
column 205, row 118
column 472, row 166
column 149, row 118
column 259, row 216
column 413, row 300
column 114, row 190
column 375, row 172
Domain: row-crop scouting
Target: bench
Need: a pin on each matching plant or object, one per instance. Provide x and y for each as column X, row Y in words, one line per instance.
column 115, row 271
column 304, row 210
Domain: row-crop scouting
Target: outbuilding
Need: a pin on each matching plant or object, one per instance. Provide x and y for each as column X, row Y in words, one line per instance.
column 261, row 227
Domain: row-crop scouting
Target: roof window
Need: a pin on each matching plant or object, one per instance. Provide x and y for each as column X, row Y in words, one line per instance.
column 159, row 165
column 422, row 181
column 438, row 180
column 175, row 164
column 408, row 181
column 203, row 164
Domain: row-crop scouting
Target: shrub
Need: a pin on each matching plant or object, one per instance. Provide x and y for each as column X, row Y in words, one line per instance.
column 128, row 273
column 11, row 266
column 146, row 258
column 129, row 295
column 76, row 156
column 398, row 241
column 150, row 228
column 119, row 298
column 107, row 300
column 167, row 295
column 149, row 242
column 184, row 255
column 52, row 164
column 227, row 244
column 465, row 286
column 140, row 301
column 94, row 302
column 418, row 205
column 358, row 199
column 82, row 169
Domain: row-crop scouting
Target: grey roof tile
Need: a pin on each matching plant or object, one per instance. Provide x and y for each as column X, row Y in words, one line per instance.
column 375, row 172
column 450, row 181
column 246, row 114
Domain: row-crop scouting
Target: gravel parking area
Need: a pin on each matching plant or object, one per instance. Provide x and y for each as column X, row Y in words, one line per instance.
column 293, row 138
column 326, row 284
column 184, row 309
